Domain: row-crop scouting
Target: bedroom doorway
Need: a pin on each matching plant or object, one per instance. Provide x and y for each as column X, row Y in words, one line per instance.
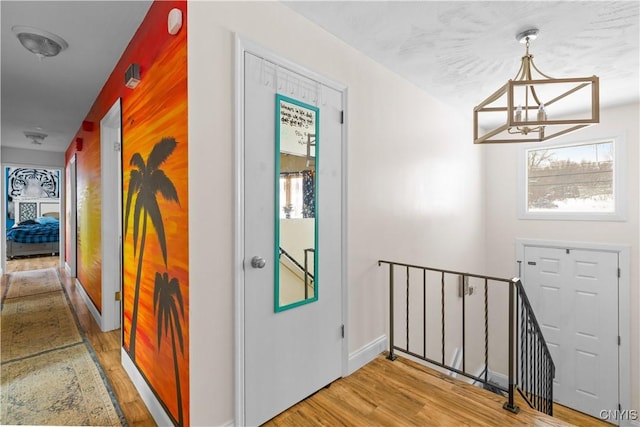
column 31, row 217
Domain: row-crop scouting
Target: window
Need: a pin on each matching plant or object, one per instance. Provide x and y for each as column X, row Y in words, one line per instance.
column 577, row 181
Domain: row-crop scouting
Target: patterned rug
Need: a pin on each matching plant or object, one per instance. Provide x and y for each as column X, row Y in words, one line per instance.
column 23, row 283
column 36, row 323
column 50, row 375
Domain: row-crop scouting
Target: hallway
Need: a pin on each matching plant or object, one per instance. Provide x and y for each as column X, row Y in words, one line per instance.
column 381, row 393
column 106, row 345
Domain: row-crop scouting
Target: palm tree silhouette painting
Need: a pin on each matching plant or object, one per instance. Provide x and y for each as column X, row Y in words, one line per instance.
column 166, row 293
column 145, row 182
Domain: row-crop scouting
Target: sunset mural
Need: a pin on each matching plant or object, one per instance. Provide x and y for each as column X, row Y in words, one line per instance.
column 155, row 191
column 155, row 111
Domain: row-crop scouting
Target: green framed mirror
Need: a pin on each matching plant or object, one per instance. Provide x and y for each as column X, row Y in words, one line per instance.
column 296, row 199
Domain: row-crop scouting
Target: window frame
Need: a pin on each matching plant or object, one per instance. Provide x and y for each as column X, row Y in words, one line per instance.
column 619, row 182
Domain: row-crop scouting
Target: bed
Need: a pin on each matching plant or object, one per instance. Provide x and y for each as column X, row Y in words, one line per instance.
column 39, row 236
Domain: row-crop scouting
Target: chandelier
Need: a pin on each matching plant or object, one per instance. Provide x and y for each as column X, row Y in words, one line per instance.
column 535, row 108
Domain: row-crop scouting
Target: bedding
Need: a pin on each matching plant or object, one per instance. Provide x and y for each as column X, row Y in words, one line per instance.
column 34, row 237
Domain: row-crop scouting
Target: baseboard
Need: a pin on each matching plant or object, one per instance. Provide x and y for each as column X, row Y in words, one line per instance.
column 67, row 268
column 155, row 407
column 366, row 354
column 90, row 305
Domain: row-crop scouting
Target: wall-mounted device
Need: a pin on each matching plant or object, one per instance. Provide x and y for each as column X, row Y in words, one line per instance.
column 463, row 286
column 132, row 76
column 174, row 21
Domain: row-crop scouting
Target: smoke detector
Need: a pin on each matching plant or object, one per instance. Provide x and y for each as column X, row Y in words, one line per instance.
column 35, row 137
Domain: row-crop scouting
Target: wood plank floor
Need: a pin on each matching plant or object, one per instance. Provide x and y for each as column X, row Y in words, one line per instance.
column 383, row 393
column 404, row 393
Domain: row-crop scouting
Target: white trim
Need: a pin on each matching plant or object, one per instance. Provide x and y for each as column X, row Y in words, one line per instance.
column 153, row 404
column 110, row 126
column 87, row 300
column 366, row 354
column 243, row 45
column 345, row 247
column 238, row 228
column 624, row 298
column 619, row 191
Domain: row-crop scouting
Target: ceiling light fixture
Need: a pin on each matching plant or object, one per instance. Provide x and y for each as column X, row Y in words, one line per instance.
column 537, row 108
column 35, row 137
column 39, row 42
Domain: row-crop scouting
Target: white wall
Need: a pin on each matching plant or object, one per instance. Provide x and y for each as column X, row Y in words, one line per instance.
column 503, row 226
column 415, row 182
column 20, row 156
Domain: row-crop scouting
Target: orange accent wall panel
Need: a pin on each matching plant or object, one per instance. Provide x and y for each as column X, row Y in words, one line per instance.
column 155, row 206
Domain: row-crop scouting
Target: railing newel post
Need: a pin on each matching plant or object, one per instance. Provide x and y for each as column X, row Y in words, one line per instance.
column 510, row 405
column 391, row 355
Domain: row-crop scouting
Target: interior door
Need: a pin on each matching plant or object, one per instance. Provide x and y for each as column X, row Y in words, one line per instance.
column 289, row 354
column 574, row 294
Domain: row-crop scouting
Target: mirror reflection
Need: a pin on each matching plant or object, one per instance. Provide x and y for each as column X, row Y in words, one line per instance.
column 296, row 191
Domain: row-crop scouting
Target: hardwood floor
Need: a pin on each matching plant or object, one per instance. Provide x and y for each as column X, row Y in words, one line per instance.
column 383, row 393
column 106, row 345
column 404, row 393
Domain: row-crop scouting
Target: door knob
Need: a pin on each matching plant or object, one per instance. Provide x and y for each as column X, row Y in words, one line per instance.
column 258, row 262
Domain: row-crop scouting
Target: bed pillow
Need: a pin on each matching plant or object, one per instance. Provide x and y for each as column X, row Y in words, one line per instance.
column 46, row 220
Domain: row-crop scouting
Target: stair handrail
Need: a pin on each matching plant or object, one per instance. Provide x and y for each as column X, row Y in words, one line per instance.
column 522, row 324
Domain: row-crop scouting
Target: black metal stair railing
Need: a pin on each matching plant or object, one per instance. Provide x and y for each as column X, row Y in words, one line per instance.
column 536, row 368
column 308, row 277
column 530, row 367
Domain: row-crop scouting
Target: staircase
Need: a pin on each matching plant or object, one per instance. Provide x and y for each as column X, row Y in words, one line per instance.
column 433, row 312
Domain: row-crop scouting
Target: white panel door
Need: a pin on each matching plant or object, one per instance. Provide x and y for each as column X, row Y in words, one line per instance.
column 574, row 294
column 293, row 353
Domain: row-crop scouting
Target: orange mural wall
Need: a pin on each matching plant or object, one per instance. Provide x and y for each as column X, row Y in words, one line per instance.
column 155, row 199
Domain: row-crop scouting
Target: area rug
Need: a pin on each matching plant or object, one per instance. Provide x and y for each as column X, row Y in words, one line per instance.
column 24, row 283
column 49, row 371
column 36, row 323
column 59, row 387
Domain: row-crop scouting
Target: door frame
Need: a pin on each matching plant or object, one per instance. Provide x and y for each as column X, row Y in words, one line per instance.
column 624, row 349
column 3, row 210
column 243, row 45
column 71, row 264
column 111, row 225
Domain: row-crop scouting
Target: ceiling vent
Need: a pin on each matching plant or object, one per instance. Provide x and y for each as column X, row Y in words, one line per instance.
column 35, row 137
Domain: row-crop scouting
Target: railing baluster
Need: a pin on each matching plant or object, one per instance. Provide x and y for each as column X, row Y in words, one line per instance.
column 531, row 368
column 424, row 312
column 407, row 324
column 486, row 330
column 464, row 351
column 442, row 310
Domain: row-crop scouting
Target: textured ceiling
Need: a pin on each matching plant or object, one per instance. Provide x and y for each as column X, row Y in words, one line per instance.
column 461, row 51
column 458, row 51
